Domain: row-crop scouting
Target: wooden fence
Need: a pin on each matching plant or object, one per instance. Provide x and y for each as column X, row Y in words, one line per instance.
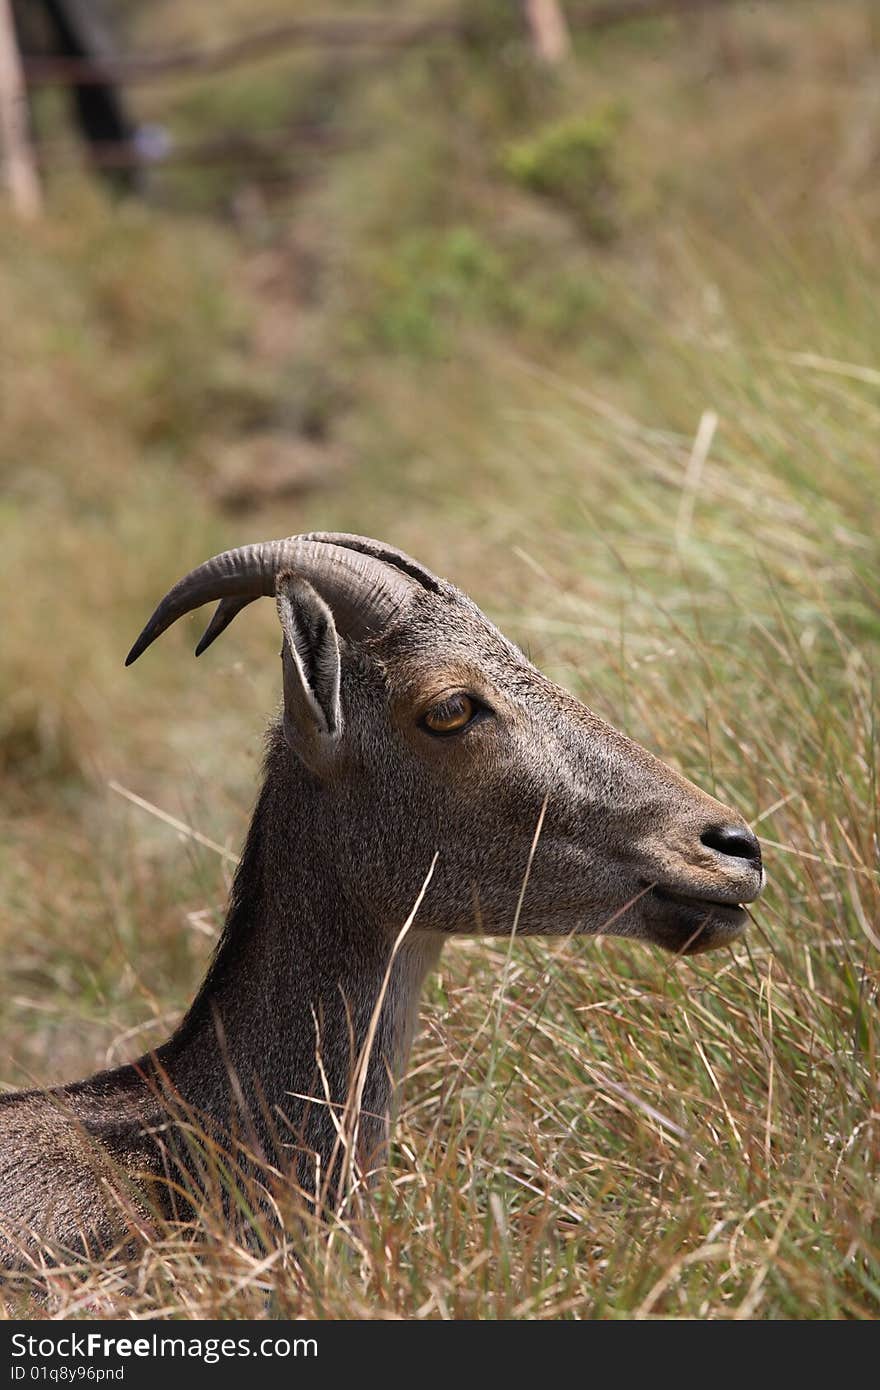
column 548, row 24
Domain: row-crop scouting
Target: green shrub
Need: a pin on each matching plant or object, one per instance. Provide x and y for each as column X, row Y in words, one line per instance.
column 430, row 283
column 572, row 162
column 433, row 284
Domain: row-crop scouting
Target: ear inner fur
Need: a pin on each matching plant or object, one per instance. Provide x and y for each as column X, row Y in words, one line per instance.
column 311, row 662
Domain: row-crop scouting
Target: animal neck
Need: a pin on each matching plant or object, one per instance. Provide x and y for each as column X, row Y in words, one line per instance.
column 303, row 974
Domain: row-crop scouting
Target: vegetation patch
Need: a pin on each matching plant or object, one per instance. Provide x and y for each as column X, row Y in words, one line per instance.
column 573, row 163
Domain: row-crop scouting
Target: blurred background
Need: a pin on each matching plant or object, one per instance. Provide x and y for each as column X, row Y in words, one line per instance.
column 579, row 304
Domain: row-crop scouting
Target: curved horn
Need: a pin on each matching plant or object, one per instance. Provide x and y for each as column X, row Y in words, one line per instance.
column 364, row 592
column 388, row 554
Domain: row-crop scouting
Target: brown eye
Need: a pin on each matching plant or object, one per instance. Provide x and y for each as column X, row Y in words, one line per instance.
column 451, row 716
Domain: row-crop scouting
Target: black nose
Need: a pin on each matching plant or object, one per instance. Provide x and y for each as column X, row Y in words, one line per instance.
column 735, row 840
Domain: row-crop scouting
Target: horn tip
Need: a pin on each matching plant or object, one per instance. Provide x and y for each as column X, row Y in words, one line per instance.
column 140, row 646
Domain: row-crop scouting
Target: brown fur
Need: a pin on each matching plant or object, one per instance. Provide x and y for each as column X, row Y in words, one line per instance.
column 357, row 799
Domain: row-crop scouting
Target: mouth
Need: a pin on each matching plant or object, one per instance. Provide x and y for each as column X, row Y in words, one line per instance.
column 689, row 925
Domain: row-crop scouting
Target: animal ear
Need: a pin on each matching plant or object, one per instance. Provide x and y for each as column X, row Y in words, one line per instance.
column 310, row 659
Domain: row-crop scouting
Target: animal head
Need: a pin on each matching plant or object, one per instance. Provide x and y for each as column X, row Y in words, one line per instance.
column 419, row 728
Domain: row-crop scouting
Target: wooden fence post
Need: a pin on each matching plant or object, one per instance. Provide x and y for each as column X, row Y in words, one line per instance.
column 548, row 29
column 16, row 155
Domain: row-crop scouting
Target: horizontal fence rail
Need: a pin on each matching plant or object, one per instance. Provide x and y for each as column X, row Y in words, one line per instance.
column 332, row 32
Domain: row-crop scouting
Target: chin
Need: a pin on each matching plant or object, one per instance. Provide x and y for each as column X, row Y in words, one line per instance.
column 690, row 926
